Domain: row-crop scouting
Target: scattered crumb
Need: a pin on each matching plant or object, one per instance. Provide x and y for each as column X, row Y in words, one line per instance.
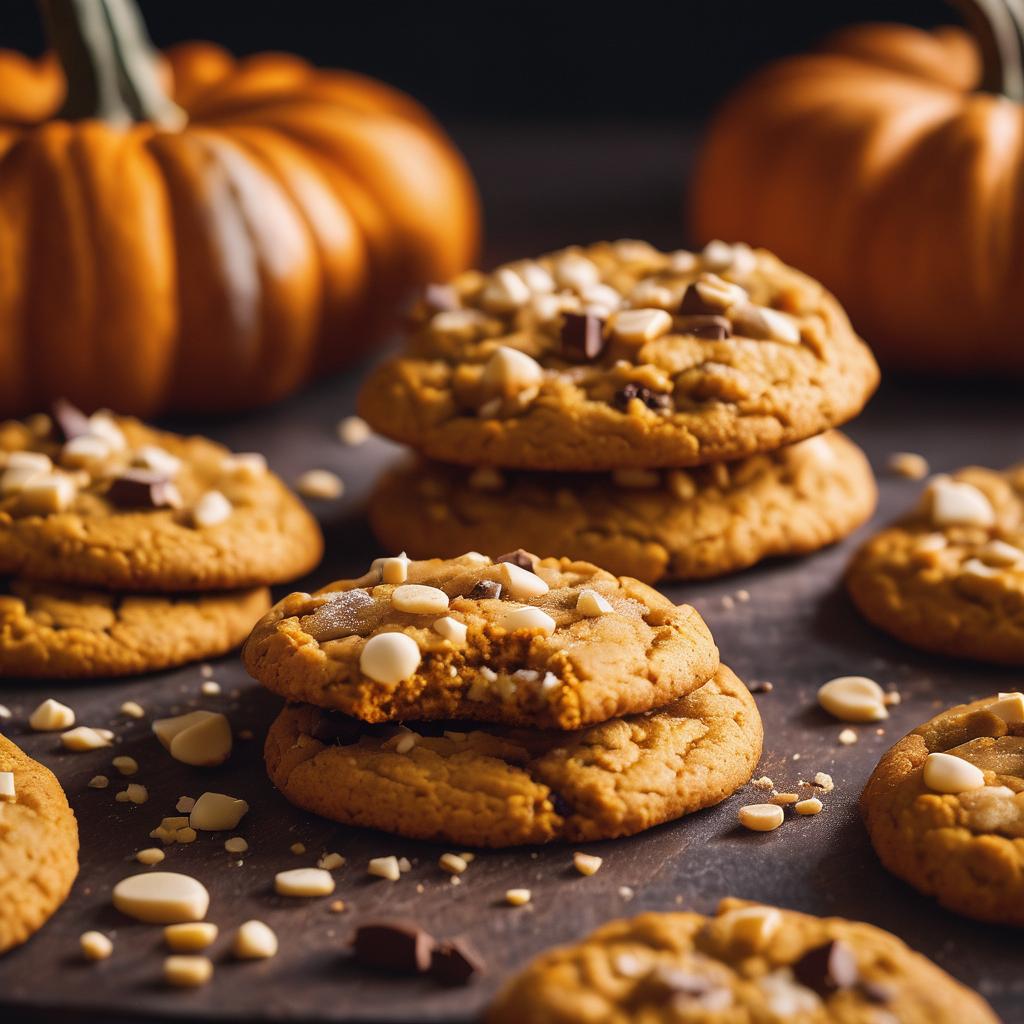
column 385, row 867
column 320, row 484
column 892, row 698
column 586, row 863
column 354, row 430
column 5, row 712
column 126, row 765
column 743, row 596
column 298, row 849
column 132, row 709
column 151, row 855
column 336, row 906
column 812, row 805
column 626, row 892
column 236, row 844
column 206, row 671
column 824, row 780
column 762, row 687
column 184, row 805
column 847, row 737
column 99, row 782
column 95, row 946
column 728, row 603
column 134, row 794
column 331, row 861
column 908, row 464
column 452, row 863
column 518, row 897
column 210, row 688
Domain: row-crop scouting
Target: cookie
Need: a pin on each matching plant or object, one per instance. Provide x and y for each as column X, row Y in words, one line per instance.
column 546, row 644
column 53, row 632
column 949, row 578
column 953, row 827
column 108, row 502
column 38, row 845
column 676, row 524
column 496, row 786
column 619, row 356
column 748, row 963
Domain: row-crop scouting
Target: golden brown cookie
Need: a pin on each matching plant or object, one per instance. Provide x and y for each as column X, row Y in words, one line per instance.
column 547, row 644
column 53, row 632
column 619, row 356
column 38, row 845
column 945, row 808
column 495, row 786
column 650, row 524
column 950, row 576
column 748, row 963
column 106, row 501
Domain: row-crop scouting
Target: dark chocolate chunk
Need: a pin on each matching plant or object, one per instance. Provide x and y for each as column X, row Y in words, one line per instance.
column 582, row 336
column 334, row 727
column 69, row 420
column 455, row 963
column 652, row 399
column 398, row 946
column 827, row 968
column 521, row 558
column 711, row 328
column 440, row 298
column 485, row 589
column 141, row 488
column 693, row 305
column 561, row 806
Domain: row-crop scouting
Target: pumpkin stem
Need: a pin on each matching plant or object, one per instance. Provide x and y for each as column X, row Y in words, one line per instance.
column 998, row 25
column 109, row 63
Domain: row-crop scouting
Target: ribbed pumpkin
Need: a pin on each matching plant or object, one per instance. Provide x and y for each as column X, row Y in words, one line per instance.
column 880, row 167
column 197, row 232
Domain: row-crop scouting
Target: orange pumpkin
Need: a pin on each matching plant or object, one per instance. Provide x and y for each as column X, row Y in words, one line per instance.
column 200, row 232
column 879, row 167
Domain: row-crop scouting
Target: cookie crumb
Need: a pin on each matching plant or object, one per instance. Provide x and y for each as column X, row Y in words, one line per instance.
column 5, row 712
column 847, row 737
column 763, row 783
column 206, row 670
column 298, row 849
column 126, row 765
column 353, row 431
column 909, row 465
column 184, row 804
column 99, row 782
column 132, row 709
column 743, row 596
column 336, row 906
column 824, row 781
column 784, row 799
column 892, row 698
column 518, row 897
column 626, row 892
column 320, row 485
column 586, row 863
column 728, row 603
column 385, row 867
column 134, row 794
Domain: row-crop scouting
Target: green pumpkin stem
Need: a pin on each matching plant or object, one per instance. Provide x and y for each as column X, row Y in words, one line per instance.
column 109, row 63
column 998, row 26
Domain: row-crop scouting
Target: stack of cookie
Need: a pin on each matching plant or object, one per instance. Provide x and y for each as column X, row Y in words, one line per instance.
column 496, row 703
column 128, row 549
column 666, row 415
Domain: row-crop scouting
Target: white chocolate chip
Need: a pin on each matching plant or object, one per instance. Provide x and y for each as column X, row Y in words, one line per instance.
column 132, row 709
column 150, row 856
column 85, row 450
column 955, row 503
column 320, row 484
column 909, row 465
column 853, row 699
column 307, row 882
column 452, row 863
column 331, row 862
column 158, row 460
column 37, row 461
column 255, row 941
column 236, row 844
column 95, row 946
column 1009, row 707
column 191, row 936
column 577, row 272
column 637, row 326
column 847, row 737
column 521, row 583
column 8, row 791
column 504, row 292
column 718, row 293
column 210, row 688
column 298, row 849
column 161, row 897
column 184, row 805
column 451, row 629
column 99, row 782
column 393, row 570
column 418, row 599
column 518, row 897
column 44, row 495
column 5, row 712
column 385, row 867
column 84, row 738
column 125, row 765
column 102, row 424
column 717, row 255
column 976, row 567
column 812, row 805
column 50, row 716
column 509, row 372
column 187, row 971
column 217, row 812
column 947, row 773
column 592, row 604
column 752, row 928
column 528, row 618
column 211, row 509
column 761, row 817
column 14, row 478
column 406, row 742
column 199, row 738
column 586, row 863
column 390, row 657
column 247, row 466
column 998, row 552
column 764, row 324
column 353, row 430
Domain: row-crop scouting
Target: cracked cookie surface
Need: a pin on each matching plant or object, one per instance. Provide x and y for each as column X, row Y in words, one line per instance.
column 747, row 963
column 673, row 524
column 138, row 509
column 561, row 668
column 967, row 848
column 618, row 356
column 38, row 847
column 53, row 632
column 949, row 578
column 496, row 786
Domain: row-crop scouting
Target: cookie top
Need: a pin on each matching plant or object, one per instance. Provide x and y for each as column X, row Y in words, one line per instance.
column 52, row 632
column 950, row 577
column 748, row 963
column 953, row 826
column 548, row 644
column 496, row 786
column 106, row 501
column 650, row 524
column 619, row 356
column 38, row 845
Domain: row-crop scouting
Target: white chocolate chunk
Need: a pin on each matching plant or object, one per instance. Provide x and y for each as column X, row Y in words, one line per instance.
column 576, row 271
column 636, row 326
column 246, row 466
column 50, row 716
column 236, row 844
column 528, row 618
column 83, row 738
column 418, row 599
column 520, row 583
column 199, row 738
column 998, row 552
column 151, row 456
column 125, row 765
column 954, row 503
column 99, row 782
column 95, row 946
column 812, row 805
column 255, row 941
column 331, row 862
column 84, row 451
column 385, row 867
column 37, row 461
column 509, row 371
column 45, row 495
column 217, row 812
column 505, row 291
column 191, row 936
column 390, row 657
column 150, row 856
column 320, row 484
column 161, row 897
column 8, row 790
column 1009, row 707
column 451, row 629
column 518, row 897
column 452, row 863
column 132, row 709
column 853, row 699
column 947, row 773
column 304, row 882
column 751, row 928
column 393, row 570
column 187, row 971
column 211, row 509
column 761, row 817
column 102, row 424
column 586, row 863
column 592, row 604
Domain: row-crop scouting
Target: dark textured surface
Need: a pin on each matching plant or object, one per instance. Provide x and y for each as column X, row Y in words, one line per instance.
column 797, row 630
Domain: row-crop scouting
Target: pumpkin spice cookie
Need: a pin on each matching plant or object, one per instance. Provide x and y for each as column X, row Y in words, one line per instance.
column 950, row 577
column 106, row 501
column 945, row 809
column 618, row 356
column 51, row 632
column 38, row 845
column 495, row 786
column 675, row 524
column 747, row 963
column 547, row 644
